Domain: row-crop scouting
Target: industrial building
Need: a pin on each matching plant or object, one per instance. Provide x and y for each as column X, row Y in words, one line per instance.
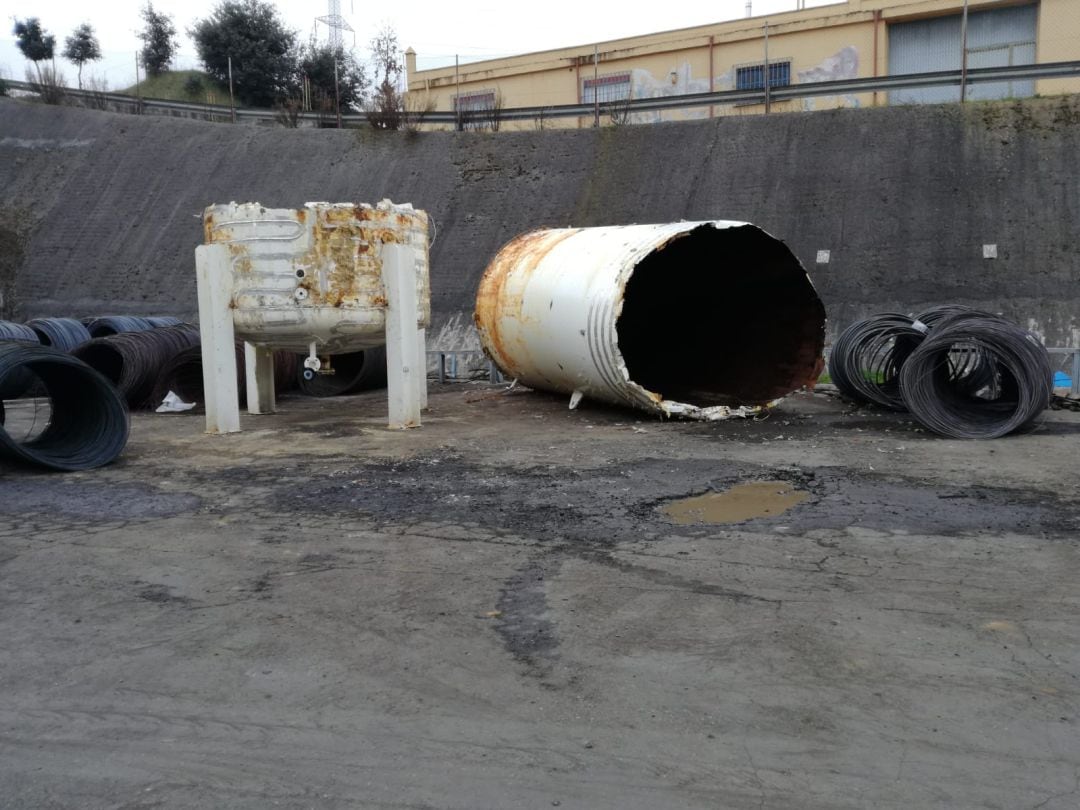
column 847, row 40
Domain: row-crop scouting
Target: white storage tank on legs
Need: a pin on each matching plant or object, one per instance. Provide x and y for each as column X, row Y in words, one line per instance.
column 314, row 274
column 324, row 279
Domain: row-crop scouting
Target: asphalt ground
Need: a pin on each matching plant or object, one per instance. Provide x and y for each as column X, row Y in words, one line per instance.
column 494, row 611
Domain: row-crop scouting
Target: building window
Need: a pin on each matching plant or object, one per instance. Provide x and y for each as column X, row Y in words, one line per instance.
column 612, row 87
column 476, row 109
column 752, row 77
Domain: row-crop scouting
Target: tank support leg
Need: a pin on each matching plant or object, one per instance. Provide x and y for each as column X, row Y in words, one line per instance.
column 259, row 368
column 402, row 336
column 421, row 367
column 213, row 273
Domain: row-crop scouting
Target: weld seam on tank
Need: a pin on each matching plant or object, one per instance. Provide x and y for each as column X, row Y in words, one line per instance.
column 604, row 281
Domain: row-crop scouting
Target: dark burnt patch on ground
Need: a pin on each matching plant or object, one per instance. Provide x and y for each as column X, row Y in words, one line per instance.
column 606, row 506
column 88, row 495
column 524, row 621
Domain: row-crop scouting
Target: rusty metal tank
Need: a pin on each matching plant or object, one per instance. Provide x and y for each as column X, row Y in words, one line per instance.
column 313, row 275
column 704, row 320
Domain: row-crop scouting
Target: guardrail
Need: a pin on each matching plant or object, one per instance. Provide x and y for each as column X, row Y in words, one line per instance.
column 222, row 112
column 945, row 78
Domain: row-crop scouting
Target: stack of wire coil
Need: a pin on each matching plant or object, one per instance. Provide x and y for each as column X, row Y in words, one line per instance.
column 961, row 373
column 977, row 376
column 87, row 421
column 17, row 382
column 866, row 359
column 104, row 325
column 183, row 374
column 60, row 333
column 132, row 360
column 9, row 330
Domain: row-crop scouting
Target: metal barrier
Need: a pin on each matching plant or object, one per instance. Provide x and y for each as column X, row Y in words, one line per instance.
column 944, row 78
column 441, row 355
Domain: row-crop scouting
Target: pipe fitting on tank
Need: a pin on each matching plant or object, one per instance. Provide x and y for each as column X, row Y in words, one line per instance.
column 312, row 362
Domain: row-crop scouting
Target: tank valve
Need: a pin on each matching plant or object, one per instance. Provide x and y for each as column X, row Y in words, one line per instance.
column 312, row 362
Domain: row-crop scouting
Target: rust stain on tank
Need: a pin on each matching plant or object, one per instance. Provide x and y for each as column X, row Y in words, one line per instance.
column 241, row 260
column 343, row 240
column 387, row 236
column 333, row 248
column 494, row 301
column 341, row 267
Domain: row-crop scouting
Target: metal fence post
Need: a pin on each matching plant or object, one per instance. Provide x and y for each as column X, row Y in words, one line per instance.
column 768, row 95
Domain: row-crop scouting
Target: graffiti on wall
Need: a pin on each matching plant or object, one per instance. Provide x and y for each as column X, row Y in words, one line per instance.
column 679, row 81
column 844, row 64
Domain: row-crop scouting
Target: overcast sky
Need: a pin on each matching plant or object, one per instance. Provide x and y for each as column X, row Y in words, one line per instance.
column 436, row 30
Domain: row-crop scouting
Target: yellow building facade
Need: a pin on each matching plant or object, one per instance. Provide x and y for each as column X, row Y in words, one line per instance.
column 848, row 40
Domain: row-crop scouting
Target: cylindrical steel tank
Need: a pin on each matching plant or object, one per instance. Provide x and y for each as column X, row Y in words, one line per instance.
column 314, row 275
column 698, row 319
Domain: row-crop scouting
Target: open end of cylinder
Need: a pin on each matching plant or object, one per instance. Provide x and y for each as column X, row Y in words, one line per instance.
column 721, row 317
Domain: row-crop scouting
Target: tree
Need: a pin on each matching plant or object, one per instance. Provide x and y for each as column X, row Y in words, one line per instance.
column 263, row 50
column 385, row 111
column 317, row 65
column 35, row 44
column 159, row 40
column 82, row 47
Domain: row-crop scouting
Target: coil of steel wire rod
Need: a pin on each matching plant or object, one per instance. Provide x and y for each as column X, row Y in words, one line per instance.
column 353, row 372
column 1019, row 389
column 866, row 359
column 60, row 333
column 116, row 324
column 934, row 315
column 971, row 370
column 132, row 360
column 16, row 383
column 87, row 422
column 9, row 330
column 157, row 321
column 183, row 375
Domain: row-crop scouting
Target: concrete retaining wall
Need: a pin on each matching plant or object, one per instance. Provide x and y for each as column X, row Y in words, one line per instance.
column 100, row 211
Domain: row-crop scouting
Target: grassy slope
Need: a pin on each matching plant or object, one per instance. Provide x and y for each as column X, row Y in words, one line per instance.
column 171, row 86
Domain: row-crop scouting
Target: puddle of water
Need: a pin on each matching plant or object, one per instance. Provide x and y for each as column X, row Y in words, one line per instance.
column 742, row 502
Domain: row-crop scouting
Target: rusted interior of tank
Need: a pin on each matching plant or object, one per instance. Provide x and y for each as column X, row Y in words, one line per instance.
column 721, row 317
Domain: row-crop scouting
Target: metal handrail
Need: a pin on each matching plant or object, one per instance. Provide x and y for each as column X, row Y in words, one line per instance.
column 944, row 78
